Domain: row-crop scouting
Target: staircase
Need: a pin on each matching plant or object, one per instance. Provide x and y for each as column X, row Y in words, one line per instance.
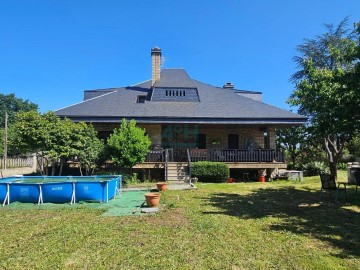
column 177, row 172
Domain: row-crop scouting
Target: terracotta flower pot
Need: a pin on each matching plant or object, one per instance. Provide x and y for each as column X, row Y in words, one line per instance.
column 152, row 199
column 162, row 186
column 230, row 180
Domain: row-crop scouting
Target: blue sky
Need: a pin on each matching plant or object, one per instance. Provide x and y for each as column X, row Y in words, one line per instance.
column 52, row 50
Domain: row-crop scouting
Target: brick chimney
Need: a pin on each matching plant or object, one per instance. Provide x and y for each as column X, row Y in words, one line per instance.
column 156, row 62
column 228, row 85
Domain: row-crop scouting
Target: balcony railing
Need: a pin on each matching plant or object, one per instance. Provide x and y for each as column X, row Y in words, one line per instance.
column 238, row 155
column 226, row 155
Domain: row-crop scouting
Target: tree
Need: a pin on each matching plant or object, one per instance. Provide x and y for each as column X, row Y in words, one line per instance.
column 40, row 134
column 88, row 147
column 354, row 147
column 324, row 90
column 12, row 105
column 55, row 140
column 128, row 144
column 321, row 49
column 291, row 139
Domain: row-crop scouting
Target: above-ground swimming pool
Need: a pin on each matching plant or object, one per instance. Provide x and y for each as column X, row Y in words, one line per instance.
column 59, row 189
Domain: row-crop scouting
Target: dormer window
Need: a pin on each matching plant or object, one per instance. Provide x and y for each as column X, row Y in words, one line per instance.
column 175, row 94
column 141, row 99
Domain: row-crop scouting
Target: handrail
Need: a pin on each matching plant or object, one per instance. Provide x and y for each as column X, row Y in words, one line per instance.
column 188, row 161
column 166, row 163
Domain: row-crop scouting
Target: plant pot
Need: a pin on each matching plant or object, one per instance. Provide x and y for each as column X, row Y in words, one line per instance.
column 162, row 186
column 230, row 180
column 152, row 199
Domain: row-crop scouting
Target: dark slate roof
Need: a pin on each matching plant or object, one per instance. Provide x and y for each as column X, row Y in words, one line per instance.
column 174, row 78
column 217, row 105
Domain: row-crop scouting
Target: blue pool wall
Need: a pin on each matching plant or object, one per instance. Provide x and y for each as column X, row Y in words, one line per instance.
column 59, row 189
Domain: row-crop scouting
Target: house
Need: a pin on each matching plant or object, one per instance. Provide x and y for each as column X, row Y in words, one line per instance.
column 188, row 120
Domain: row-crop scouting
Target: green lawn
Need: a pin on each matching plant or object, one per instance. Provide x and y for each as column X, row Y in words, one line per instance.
column 277, row 225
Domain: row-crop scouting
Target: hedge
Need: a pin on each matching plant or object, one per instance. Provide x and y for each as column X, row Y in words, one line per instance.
column 214, row 172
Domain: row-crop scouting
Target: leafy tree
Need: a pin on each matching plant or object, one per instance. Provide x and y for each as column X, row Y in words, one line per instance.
column 354, row 147
column 291, row 139
column 321, row 49
column 55, row 140
column 38, row 133
column 12, row 105
column 11, row 150
column 324, row 90
column 128, row 144
column 88, row 147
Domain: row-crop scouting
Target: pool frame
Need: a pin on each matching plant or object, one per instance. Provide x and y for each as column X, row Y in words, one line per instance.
column 59, row 189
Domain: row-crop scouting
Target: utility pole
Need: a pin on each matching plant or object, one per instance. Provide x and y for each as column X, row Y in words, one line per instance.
column 5, row 139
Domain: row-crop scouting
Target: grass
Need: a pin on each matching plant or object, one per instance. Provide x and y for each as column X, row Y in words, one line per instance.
column 277, row 225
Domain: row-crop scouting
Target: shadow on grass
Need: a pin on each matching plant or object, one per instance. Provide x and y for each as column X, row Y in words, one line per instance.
column 301, row 212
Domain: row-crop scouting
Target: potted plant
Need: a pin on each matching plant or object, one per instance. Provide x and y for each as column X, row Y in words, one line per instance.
column 161, row 186
column 152, row 199
column 230, row 180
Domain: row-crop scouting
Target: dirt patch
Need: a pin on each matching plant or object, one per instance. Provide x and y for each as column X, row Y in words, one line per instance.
column 172, row 217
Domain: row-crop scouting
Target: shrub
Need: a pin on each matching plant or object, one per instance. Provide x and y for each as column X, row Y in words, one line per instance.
column 342, row 166
column 214, row 172
column 314, row 168
column 128, row 144
column 292, row 166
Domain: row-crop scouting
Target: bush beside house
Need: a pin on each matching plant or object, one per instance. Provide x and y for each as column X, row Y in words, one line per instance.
column 215, row 172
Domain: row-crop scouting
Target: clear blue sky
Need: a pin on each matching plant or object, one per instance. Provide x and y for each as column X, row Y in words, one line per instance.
column 52, row 50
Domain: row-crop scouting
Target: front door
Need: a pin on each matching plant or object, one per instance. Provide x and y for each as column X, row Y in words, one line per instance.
column 233, row 141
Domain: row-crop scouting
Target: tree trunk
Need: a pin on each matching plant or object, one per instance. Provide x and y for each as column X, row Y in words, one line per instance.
column 47, row 167
column 81, row 174
column 40, row 162
column 53, row 168
column 293, row 159
column 334, row 147
column 333, row 168
column 61, row 166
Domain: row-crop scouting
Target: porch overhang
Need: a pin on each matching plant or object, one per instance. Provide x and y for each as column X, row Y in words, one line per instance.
column 193, row 120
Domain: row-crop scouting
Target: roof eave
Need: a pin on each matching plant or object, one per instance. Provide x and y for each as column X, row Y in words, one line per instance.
column 193, row 120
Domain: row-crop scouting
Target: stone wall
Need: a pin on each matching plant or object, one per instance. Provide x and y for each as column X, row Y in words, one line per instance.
column 216, row 135
column 154, row 133
column 217, row 138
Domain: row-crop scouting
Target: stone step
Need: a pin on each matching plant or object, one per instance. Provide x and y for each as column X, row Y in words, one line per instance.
column 179, row 179
column 177, row 168
column 175, row 174
column 178, row 172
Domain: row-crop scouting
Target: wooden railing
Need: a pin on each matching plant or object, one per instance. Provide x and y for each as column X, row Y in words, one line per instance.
column 16, row 162
column 188, row 157
column 155, row 156
column 227, row 155
column 238, row 155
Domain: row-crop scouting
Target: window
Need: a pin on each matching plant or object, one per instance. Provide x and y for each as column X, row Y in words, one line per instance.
column 233, row 141
column 200, row 141
column 141, row 99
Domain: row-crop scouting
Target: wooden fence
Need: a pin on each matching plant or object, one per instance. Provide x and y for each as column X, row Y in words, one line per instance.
column 16, row 162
